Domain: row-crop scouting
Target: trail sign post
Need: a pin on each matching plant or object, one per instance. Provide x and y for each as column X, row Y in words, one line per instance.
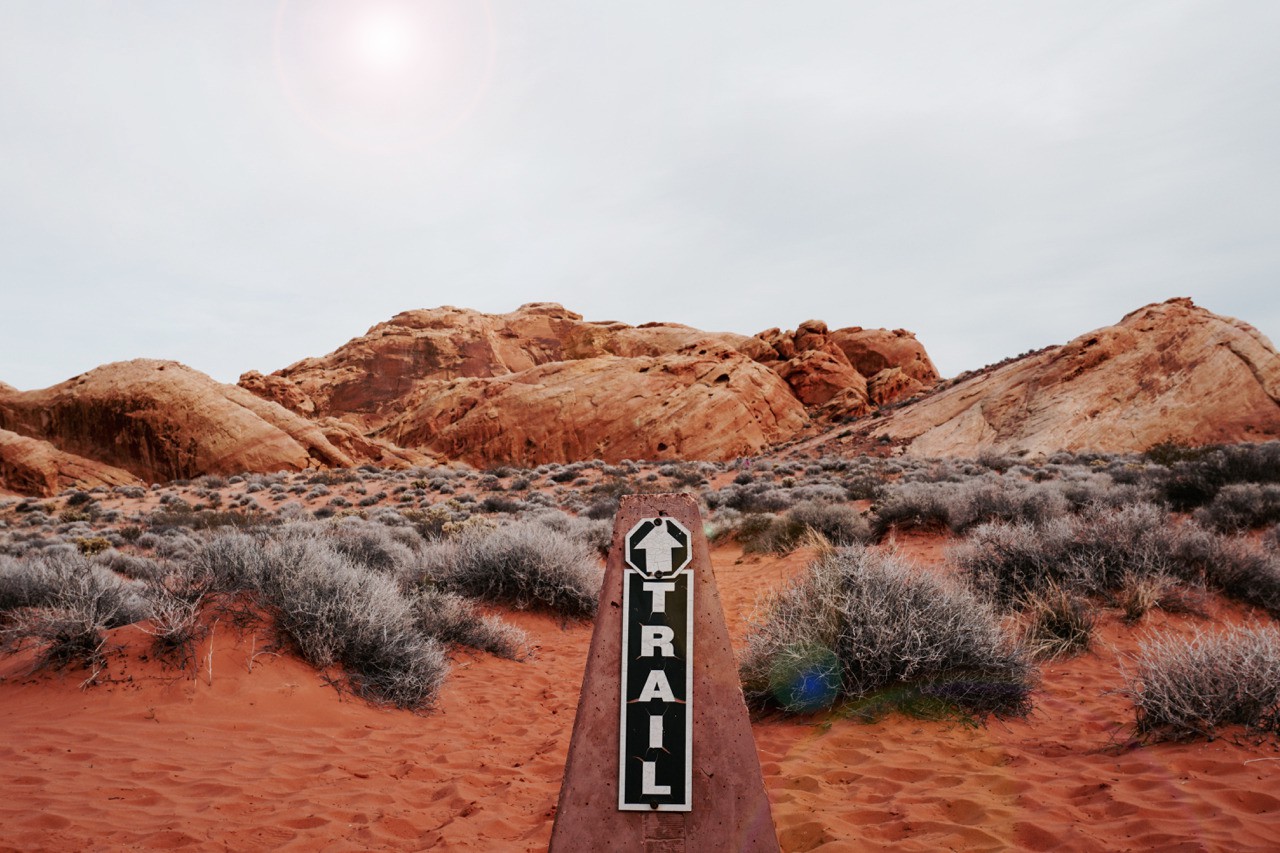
column 656, row 725
column 662, row 758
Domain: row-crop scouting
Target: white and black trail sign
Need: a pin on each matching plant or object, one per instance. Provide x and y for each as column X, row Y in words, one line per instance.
column 662, row 758
column 656, row 723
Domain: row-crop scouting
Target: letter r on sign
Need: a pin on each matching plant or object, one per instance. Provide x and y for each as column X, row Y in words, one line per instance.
column 657, row 638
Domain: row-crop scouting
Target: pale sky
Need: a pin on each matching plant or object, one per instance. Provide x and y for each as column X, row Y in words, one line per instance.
column 238, row 184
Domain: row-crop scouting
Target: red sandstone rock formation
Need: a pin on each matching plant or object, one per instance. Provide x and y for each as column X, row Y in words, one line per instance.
column 873, row 350
column 371, row 379
column 706, row 401
column 29, row 466
column 1166, row 372
column 161, row 420
column 815, row 368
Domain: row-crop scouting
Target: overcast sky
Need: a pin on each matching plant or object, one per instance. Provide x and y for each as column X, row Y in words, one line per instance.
column 243, row 183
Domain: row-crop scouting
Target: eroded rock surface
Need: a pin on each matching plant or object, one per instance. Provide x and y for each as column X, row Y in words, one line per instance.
column 29, row 466
column 705, row 401
column 161, row 420
column 1167, row 372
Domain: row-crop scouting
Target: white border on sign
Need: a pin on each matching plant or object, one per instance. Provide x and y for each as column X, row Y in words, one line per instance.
column 626, row 546
column 687, row 805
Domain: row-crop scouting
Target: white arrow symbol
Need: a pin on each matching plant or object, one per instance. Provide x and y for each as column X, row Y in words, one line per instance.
column 659, row 549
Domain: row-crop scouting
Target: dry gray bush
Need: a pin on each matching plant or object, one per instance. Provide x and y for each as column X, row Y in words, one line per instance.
column 524, row 563
column 1192, row 688
column 174, row 625
column 455, row 621
column 338, row 613
column 62, row 604
column 1059, row 623
column 960, row 506
column 375, row 546
column 860, row 625
column 1241, row 506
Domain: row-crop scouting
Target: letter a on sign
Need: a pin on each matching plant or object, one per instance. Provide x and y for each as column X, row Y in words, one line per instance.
column 662, row 757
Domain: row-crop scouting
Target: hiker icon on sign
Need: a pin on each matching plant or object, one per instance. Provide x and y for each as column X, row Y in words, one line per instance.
column 658, row 548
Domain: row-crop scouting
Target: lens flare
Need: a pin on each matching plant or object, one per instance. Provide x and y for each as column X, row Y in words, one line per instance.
column 387, row 76
column 386, row 42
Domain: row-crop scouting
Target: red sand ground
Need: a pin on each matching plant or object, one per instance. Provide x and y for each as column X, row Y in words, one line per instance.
column 274, row 758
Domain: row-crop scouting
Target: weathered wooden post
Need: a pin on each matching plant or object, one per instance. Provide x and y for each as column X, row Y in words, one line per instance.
column 662, row 757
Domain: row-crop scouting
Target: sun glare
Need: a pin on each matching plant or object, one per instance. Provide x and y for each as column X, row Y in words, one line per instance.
column 384, row 75
column 386, row 42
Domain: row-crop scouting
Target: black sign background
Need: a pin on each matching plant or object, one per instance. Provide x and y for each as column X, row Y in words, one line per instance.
column 672, row 761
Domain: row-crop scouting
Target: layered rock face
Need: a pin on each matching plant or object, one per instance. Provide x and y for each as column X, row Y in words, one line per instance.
column 160, row 420
column 705, row 401
column 1166, row 372
column 396, row 365
column 541, row 384
column 30, row 466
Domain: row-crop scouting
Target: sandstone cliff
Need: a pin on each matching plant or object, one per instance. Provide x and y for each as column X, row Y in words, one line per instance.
column 1166, row 372
column 161, row 420
column 541, row 384
column 706, row 401
column 30, row 466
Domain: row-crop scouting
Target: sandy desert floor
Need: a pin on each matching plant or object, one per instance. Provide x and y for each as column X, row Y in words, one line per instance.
column 257, row 751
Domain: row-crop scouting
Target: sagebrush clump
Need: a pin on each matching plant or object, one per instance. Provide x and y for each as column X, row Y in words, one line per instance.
column 1193, row 688
column 862, row 628
column 525, row 564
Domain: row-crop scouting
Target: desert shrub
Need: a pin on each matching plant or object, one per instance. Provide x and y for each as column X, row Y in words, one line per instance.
column 913, row 505
column 131, row 566
column 455, row 621
column 1243, row 571
column 1184, row 689
column 597, row 534
column 864, row 487
column 64, row 604
column 1104, row 551
column 234, row 560
column 373, row 546
column 25, row 583
column 1092, row 553
column 839, row 525
column 338, row 613
column 498, row 503
column 92, row 545
column 599, row 510
column 174, row 625
column 1059, row 623
column 861, row 626
column 1241, row 506
column 1196, row 475
column 763, row 533
column 525, row 564
column 1009, row 562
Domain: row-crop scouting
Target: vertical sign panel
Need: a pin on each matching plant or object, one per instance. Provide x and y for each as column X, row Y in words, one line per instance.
column 691, row 733
column 655, row 726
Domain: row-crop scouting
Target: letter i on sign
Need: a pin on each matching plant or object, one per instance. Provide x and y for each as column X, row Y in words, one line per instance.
column 655, row 744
